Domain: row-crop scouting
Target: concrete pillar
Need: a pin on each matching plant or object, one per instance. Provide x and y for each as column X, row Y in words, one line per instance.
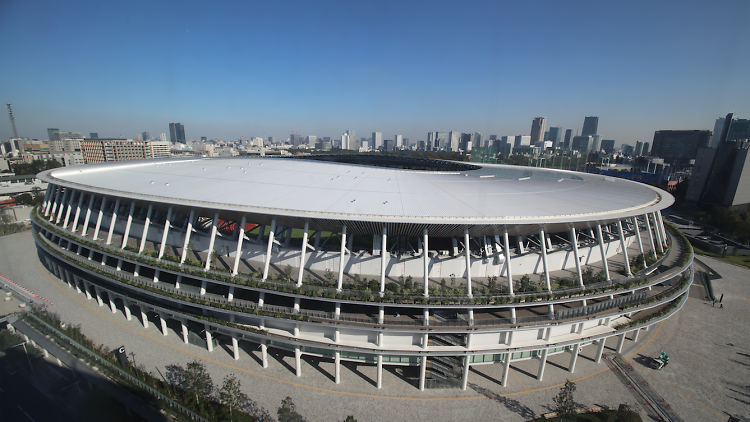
column 543, row 245
column 635, row 334
column 98, row 295
column 86, row 289
column 112, row 304
column 506, row 247
column 177, row 281
column 144, row 316
column 137, row 270
column 55, row 202
column 383, row 254
column 268, row 250
column 119, row 265
column 188, row 233
column 85, row 227
column 261, row 299
column 211, row 242
column 342, row 259
column 303, row 254
column 298, row 361
column 657, row 232
column 146, row 225
column 381, row 314
column 74, row 225
column 381, row 338
column 337, row 311
column 506, row 370
column 238, row 251
column 264, row 353
column 336, row 335
column 426, row 262
column 426, row 316
column 662, row 229
column 99, row 218
column 624, row 248
column 296, row 330
column 422, row 372
column 203, row 287
column 650, row 234
column 602, row 251
column 640, row 243
column 542, row 364
column 573, row 358
column 165, row 233
column 69, row 207
column 574, row 241
column 620, row 342
column 379, row 381
column 600, row 349
column 157, row 273
column 61, row 207
column 127, row 226
column 163, row 321
column 185, row 333
column 465, row 375
column 45, row 352
column 296, row 305
column 126, row 307
column 230, row 295
column 236, row 348
column 337, row 366
column 467, row 250
column 209, row 339
column 47, row 195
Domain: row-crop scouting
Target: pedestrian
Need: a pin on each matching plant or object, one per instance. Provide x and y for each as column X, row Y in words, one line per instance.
column 722, row 306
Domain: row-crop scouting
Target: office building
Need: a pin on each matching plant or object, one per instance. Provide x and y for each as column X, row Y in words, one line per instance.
column 466, row 143
column 679, row 147
column 721, row 176
column 377, row 140
column 51, row 133
column 638, row 149
column 536, row 222
column 93, row 135
column 584, row 144
column 566, row 142
column 590, row 126
column 555, row 135
column 645, row 150
column 146, row 136
column 522, row 141
column 177, row 133
column 162, row 136
column 478, row 138
column 608, row 146
column 537, row 130
column 103, row 150
column 399, row 141
column 295, row 139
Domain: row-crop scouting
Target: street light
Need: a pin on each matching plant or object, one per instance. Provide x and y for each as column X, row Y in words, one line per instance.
column 27, row 355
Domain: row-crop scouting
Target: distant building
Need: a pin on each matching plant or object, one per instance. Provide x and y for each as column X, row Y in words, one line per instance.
column 454, row 138
column 93, row 135
column 678, row 147
column 177, row 133
column 466, row 142
column 555, row 135
column 645, row 151
column 522, row 141
column 311, row 140
column 590, row 126
column 146, row 136
column 103, row 150
column 295, row 139
column 161, row 149
column 537, row 130
column 638, row 149
column 582, row 143
column 162, row 136
column 608, row 146
column 721, row 176
column 399, row 141
column 272, row 140
column 627, row 149
column 377, row 140
column 51, row 133
column 204, row 139
column 478, row 138
column 566, row 142
column 596, row 143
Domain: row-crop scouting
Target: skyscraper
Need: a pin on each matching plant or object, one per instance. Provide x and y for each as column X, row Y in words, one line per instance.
column 608, row 146
column 399, row 141
column 590, row 126
column 453, row 140
column 478, row 139
column 638, row 149
column 352, row 135
column 377, row 140
column 177, row 133
column 146, row 136
column 93, row 135
column 537, row 130
column 566, row 143
column 51, row 133
column 678, row 147
column 555, row 134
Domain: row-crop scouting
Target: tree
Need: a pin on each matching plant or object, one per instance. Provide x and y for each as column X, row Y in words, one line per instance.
column 287, row 412
column 328, row 275
column 288, row 273
column 350, row 418
column 196, row 380
column 564, row 401
column 231, row 395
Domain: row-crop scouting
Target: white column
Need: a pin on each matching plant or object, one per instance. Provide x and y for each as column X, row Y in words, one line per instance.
column 661, row 227
column 86, row 290
column 240, row 238
column 383, row 252
column 635, row 334
column 127, row 226
column 543, row 244
column 379, row 381
column 203, row 287
column 467, row 252
column 506, row 370
column 65, row 199
column 426, row 262
column 624, row 248
column 98, row 295
column 657, row 232
column 47, row 195
column 298, row 361
column 146, row 225
column 264, row 353
column 211, row 241
column 381, row 314
column 144, row 316
column 74, row 225
column 85, row 227
column 601, row 249
column 268, row 250
column 112, row 304
column 640, row 243
column 574, row 241
column 422, row 372
column 573, row 358
column 99, row 218
column 177, row 282
column 55, row 202
column 209, row 340
column 342, row 258
column 620, row 342
column 188, row 232
column 184, row 331
column 337, row 312
column 70, row 207
column 126, row 307
column 236, row 348
column 303, row 252
column 337, row 366
column 465, row 377
column 163, row 324
column 426, row 316
column 230, row 295
column 506, row 247
column 600, row 349
column 650, row 235
column 167, row 225
column 542, row 364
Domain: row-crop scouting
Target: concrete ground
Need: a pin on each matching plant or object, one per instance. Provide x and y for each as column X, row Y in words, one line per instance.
column 707, row 376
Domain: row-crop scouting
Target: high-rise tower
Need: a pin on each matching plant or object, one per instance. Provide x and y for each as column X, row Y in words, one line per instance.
column 590, row 126
column 177, row 133
column 537, row 129
column 12, row 120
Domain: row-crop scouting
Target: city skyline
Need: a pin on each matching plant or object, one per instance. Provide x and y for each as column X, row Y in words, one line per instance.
column 224, row 76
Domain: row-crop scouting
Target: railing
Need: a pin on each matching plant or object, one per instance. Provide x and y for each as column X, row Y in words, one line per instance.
column 309, row 290
column 119, row 371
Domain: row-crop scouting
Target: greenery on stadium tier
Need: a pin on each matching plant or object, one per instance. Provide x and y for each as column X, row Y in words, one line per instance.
column 402, row 292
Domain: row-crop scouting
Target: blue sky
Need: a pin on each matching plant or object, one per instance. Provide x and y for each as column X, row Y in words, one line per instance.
column 228, row 69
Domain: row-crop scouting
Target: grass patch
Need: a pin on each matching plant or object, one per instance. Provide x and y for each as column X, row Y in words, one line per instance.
column 743, row 261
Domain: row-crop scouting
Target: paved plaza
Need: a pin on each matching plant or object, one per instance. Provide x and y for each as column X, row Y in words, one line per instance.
column 707, row 375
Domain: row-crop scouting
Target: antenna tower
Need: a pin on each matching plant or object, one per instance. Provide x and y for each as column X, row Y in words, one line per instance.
column 12, row 120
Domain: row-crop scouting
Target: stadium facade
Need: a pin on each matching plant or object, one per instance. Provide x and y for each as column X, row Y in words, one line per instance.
column 328, row 257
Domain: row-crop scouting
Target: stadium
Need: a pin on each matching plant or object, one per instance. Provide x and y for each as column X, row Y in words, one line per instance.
column 430, row 266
